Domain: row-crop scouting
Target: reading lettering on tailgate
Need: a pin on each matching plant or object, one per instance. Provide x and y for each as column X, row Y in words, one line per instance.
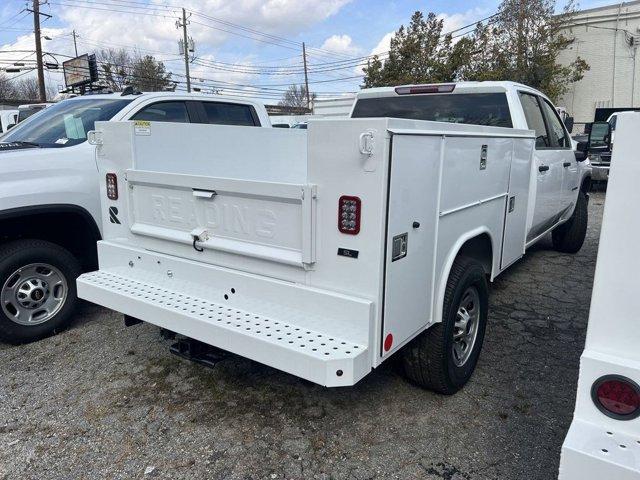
column 264, row 220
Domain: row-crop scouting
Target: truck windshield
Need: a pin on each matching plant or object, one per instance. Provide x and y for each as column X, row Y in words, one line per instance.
column 489, row 109
column 66, row 123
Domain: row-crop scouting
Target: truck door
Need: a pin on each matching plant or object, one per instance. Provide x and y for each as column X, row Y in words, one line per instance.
column 561, row 146
column 548, row 169
column 410, row 247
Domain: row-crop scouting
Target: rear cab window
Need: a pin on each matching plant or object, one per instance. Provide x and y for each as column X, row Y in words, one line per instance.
column 490, row 109
column 219, row 113
column 169, row 111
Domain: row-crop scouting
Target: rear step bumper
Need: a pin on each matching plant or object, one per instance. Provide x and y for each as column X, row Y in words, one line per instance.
column 296, row 333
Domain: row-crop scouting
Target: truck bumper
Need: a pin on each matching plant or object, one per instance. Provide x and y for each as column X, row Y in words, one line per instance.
column 317, row 335
column 599, row 173
column 591, row 452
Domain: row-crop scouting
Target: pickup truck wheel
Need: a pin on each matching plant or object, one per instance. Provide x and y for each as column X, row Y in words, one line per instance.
column 569, row 237
column 37, row 289
column 444, row 357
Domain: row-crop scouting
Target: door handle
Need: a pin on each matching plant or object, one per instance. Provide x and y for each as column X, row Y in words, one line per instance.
column 566, row 164
column 543, row 168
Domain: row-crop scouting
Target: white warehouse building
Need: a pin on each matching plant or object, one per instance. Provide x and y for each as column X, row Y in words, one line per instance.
column 607, row 38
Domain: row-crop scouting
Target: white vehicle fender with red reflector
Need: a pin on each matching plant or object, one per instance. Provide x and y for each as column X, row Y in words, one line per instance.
column 603, row 441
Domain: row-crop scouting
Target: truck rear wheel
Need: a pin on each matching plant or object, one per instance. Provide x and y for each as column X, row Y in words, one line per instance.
column 37, row 290
column 569, row 237
column 444, row 357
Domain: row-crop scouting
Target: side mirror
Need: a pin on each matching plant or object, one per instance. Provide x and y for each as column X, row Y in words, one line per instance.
column 568, row 122
column 581, row 152
column 600, row 136
column 10, row 126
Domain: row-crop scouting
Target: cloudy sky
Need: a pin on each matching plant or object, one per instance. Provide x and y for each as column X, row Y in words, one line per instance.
column 239, row 44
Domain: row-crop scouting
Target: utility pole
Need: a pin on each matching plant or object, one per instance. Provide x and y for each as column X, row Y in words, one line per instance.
column 306, row 77
column 36, row 29
column 75, row 45
column 185, row 48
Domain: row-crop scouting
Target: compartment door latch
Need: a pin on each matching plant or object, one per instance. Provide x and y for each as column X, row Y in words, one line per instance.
column 399, row 247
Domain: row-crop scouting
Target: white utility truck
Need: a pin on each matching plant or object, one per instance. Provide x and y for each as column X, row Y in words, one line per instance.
column 322, row 254
column 49, row 204
column 604, row 438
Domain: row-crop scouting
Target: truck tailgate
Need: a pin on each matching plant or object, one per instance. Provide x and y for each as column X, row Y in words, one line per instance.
column 266, row 220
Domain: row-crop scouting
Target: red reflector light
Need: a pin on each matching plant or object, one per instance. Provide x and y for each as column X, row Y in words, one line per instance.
column 112, row 186
column 444, row 88
column 349, row 215
column 617, row 397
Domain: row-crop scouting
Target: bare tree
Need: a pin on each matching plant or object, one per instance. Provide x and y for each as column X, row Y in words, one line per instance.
column 296, row 96
column 7, row 88
column 27, row 89
column 120, row 68
column 116, row 67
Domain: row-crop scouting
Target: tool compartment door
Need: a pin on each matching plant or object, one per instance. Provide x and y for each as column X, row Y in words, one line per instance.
column 414, row 174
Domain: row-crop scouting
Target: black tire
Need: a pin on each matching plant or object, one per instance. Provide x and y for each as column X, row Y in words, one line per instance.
column 569, row 237
column 21, row 253
column 429, row 359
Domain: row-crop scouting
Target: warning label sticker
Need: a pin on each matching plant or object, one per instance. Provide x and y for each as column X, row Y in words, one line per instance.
column 142, row 127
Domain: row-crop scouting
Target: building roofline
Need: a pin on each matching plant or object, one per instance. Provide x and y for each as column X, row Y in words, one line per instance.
column 605, row 7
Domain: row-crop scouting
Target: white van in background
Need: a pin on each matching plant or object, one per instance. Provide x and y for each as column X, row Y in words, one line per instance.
column 8, row 118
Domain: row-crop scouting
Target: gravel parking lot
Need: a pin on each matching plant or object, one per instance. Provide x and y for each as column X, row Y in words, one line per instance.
column 105, row 401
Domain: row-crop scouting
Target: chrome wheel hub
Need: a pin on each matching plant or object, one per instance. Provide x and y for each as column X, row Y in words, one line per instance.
column 33, row 294
column 465, row 329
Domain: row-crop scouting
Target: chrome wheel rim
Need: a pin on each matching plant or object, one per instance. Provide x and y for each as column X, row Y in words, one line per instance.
column 33, row 294
column 465, row 329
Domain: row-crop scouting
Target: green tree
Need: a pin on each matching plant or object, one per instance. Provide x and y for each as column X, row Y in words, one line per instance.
column 150, row 75
column 419, row 53
column 526, row 39
column 521, row 43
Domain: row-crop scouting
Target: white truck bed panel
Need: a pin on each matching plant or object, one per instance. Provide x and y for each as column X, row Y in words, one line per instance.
column 218, row 156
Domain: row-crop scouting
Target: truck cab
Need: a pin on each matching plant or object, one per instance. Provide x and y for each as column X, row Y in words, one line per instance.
column 562, row 177
column 49, row 201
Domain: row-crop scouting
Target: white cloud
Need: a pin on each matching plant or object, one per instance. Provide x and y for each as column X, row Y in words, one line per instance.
column 383, row 45
column 340, row 44
column 276, row 17
column 455, row 21
column 157, row 35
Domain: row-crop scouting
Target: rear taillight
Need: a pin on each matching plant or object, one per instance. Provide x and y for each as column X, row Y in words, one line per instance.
column 349, row 215
column 617, row 397
column 445, row 88
column 112, row 186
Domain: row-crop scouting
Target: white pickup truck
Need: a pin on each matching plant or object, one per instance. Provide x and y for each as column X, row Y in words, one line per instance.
column 49, row 204
column 323, row 253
